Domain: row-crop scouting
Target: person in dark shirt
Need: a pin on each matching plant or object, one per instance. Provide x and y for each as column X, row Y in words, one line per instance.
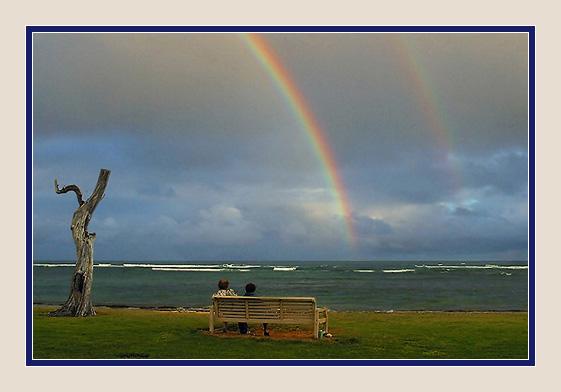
column 250, row 292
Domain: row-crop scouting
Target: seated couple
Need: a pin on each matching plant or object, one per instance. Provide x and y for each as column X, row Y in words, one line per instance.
column 249, row 292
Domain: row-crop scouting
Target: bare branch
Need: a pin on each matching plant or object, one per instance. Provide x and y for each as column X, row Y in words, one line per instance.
column 69, row 188
column 99, row 190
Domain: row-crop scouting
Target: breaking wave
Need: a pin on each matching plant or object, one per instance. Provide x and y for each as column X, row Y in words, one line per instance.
column 486, row 266
column 189, row 269
column 284, row 268
column 240, row 266
column 172, row 265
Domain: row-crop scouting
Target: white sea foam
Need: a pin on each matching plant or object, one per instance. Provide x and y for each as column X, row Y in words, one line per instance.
column 510, row 266
column 172, row 265
column 100, row 265
column 200, row 269
column 486, row 266
column 284, row 268
column 189, row 269
column 53, row 265
column 399, row 270
column 241, row 266
column 363, row 270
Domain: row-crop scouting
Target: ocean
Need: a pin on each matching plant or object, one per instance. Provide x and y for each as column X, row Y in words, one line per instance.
column 365, row 285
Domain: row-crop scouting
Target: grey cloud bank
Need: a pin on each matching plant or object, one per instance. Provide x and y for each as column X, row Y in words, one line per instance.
column 208, row 161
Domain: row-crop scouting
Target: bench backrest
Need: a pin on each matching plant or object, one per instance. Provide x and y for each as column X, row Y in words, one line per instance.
column 265, row 308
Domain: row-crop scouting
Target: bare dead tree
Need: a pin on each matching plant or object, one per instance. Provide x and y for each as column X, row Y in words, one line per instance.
column 79, row 300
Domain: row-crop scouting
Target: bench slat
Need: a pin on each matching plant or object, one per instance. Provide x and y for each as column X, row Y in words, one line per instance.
column 276, row 303
column 265, row 320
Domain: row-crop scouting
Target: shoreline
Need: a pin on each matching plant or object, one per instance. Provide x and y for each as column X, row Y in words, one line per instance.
column 164, row 308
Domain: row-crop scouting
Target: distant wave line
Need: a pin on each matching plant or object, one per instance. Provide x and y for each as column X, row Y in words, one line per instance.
column 284, row 268
column 173, row 265
column 243, row 266
column 192, row 269
column 53, row 265
column 486, row 266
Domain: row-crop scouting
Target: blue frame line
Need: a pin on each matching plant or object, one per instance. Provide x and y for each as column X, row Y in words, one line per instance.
column 28, row 194
column 530, row 361
column 281, row 29
column 531, row 197
column 278, row 362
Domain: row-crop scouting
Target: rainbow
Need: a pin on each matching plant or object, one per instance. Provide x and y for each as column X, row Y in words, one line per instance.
column 316, row 135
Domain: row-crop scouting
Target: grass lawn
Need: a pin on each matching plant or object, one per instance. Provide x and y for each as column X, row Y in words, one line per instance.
column 136, row 333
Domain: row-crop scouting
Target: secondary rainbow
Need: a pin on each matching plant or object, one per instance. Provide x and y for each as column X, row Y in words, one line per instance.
column 316, row 135
column 427, row 102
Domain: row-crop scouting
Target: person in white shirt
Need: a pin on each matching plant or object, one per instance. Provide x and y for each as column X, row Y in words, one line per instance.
column 224, row 291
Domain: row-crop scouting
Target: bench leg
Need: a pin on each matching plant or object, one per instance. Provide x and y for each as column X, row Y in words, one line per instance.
column 326, row 322
column 211, row 320
column 316, row 326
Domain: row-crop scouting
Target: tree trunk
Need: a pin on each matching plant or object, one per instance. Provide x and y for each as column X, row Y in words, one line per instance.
column 79, row 300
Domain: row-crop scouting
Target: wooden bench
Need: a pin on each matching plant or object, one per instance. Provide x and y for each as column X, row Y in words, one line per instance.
column 274, row 310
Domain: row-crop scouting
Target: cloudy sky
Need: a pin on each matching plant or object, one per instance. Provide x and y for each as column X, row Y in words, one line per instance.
column 209, row 162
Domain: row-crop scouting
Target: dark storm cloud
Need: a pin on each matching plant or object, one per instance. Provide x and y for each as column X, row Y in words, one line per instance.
column 464, row 211
column 368, row 226
column 209, row 162
column 506, row 171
